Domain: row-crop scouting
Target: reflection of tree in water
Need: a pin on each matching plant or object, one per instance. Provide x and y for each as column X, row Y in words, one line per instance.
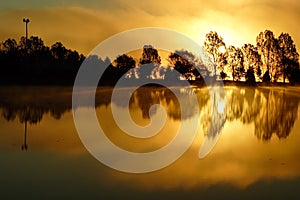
column 272, row 112
column 26, row 115
column 29, row 104
column 32, row 114
column 212, row 113
column 278, row 115
column 218, row 113
column 145, row 97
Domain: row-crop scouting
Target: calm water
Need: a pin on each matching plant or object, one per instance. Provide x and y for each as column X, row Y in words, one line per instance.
column 257, row 151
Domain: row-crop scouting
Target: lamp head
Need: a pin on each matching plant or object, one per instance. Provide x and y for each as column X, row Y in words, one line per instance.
column 25, row 20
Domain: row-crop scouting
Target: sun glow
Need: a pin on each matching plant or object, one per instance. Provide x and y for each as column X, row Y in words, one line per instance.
column 222, row 49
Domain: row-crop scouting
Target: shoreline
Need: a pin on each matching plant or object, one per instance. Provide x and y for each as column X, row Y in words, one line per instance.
column 159, row 83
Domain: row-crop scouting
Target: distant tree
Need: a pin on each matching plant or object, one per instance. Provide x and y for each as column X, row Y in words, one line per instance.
column 289, row 55
column 124, row 64
column 259, row 73
column 72, row 57
column 33, row 53
column 32, row 62
column 181, row 65
column 9, row 53
column 186, row 63
column 265, row 42
column 250, row 77
column 276, row 63
column 32, row 44
column 9, row 59
column 150, row 57
column 212, row 44
column 252, row 59
column 223, row 75
column 236, row 63
column 266, row 77
column 35, row 59
column 65, row 60
column 58, row 51
column 9, row 45
column 293, row 72
column 222, row 62
column 111, row 74
column 268, row 48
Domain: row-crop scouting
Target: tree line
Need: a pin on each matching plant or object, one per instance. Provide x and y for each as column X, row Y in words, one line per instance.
column 271, row 59
column 30, row 61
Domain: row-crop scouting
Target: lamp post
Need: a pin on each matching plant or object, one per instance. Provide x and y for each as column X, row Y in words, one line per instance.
column 26, row 21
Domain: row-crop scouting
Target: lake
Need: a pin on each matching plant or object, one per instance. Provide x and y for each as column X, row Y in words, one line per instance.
column 254, row 150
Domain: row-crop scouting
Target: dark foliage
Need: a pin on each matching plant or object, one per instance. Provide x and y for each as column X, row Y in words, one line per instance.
column 250, row 77
column 31, row 62
column 266, row 77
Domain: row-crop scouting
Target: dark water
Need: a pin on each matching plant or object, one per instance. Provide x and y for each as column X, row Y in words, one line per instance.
column 257, row 151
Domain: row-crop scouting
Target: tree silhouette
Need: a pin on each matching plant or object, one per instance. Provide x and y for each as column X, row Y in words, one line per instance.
column 31, row 62
column 252, row 60
column 212, row 43
column 222, row 62
column 149, row 60
column 186, row 63
column 236, row 62
column 9, row 46
column 266, row 77
column 124, row 63
column 289, row 54
column 268, row 47
column 223, row 75
column 250, row 77
column 58, row 52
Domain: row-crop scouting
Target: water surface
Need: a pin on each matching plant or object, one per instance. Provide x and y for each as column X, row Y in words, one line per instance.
column 257, row 151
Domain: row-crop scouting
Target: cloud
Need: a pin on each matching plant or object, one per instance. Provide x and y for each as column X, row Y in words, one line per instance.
column 76, row 27
column 82, row 25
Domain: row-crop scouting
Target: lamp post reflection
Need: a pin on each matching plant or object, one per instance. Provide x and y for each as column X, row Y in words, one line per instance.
column 24, row 145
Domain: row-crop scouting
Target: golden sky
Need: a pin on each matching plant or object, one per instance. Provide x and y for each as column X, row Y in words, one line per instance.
column 81, row 25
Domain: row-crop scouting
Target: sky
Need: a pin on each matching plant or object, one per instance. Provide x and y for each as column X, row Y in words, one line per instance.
column 82, row 25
